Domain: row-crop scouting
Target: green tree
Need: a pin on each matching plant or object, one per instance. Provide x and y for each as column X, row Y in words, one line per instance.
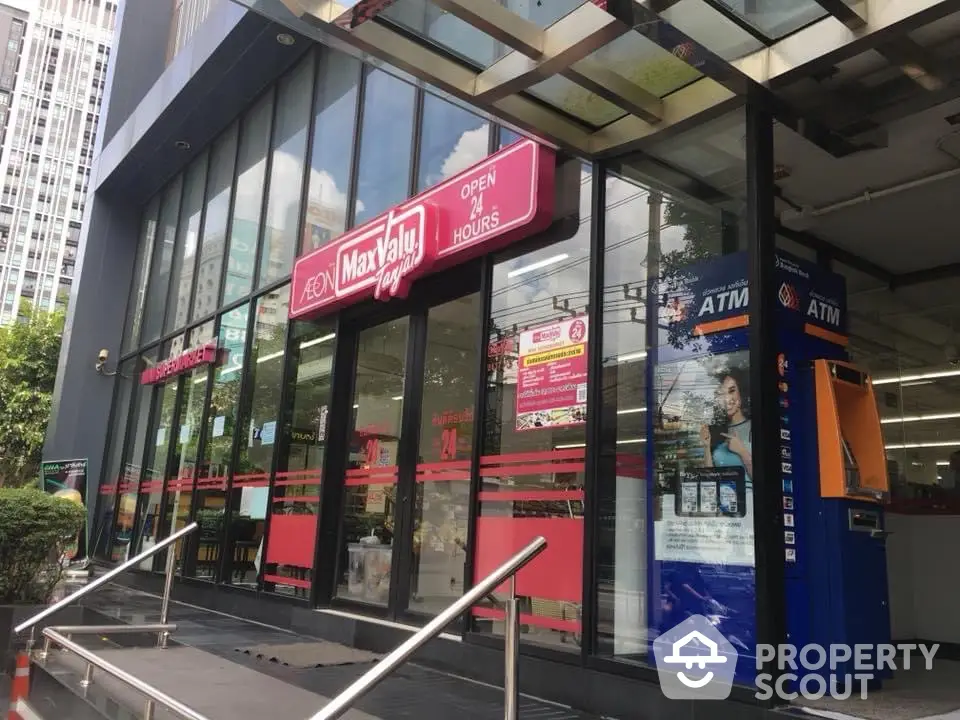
column 29, row 351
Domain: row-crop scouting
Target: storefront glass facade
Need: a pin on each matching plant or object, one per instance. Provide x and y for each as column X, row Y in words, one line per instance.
column 384, row 457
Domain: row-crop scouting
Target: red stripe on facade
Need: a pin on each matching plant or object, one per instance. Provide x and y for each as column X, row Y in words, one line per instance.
column 536, row 620
column 549, row 455
column 283, row 580
column 530, row 495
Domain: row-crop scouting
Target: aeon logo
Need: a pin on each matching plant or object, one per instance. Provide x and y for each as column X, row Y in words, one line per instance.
column 319, row 286
column 388, row 255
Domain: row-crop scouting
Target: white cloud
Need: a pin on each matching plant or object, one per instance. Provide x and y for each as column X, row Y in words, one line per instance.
column 471, row 148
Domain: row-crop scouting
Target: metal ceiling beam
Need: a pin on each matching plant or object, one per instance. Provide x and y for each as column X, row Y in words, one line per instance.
column 500, row 23
column 853, row 16
column 825, row 43
column 918, row 277
column 614, row 88
column 569, row 40
column 644, row 20
column 630, row 132
column 529, row 39
column 917, row 63
column 453, row 77
column 837, row 253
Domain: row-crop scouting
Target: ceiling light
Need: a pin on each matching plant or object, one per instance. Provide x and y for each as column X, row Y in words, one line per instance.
column 631, row 411
column 286, row 39
column 631, row 441
column 943, row 463
column 356, row 407
column 911, row 378
column 181, row 145
column 397, row 397
column 920, row 418
column 916, row 383
column 914, row 446
column 537, row 265
column 271, row 356
column 571, row 446
column 317, row 341
column 632, row 356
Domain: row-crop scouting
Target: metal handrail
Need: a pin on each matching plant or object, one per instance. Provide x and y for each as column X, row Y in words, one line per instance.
column 337, row 707
column 95, row 661
column 107, row 577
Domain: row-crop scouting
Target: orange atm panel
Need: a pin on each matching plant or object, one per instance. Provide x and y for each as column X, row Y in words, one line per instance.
column 853, row 462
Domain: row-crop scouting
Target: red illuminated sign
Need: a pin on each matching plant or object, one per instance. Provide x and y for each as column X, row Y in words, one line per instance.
column 171, row 367
column 500, row 200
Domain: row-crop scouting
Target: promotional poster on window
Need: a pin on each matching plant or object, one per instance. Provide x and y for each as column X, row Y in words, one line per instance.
column 68, row 479
column 552, row 375
column 703, row 443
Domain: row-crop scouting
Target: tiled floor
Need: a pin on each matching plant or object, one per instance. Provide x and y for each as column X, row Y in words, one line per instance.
column 412, row 692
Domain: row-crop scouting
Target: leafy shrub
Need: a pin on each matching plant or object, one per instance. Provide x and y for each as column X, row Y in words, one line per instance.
column 34, row 529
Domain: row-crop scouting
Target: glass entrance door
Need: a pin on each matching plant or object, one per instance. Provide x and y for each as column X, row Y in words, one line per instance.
column 372, row 468
column 407, row 471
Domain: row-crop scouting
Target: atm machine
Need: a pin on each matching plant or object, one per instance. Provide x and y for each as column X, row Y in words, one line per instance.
column 833, row 474
column 834, row 471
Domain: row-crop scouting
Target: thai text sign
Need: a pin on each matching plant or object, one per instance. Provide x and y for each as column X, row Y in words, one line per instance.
column 184, row 362
column 502, row 199
column 552, row 377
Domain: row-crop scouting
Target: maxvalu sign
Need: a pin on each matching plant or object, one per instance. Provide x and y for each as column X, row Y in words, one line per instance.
column 500, row 200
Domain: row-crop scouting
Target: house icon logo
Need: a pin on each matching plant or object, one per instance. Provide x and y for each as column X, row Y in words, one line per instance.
column 695, row 661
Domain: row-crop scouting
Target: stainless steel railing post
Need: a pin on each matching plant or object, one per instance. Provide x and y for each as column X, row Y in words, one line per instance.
column 105, row 578
column 165, row 602
column 148, row 708
column 87, row 676
column 511, row 654
column 339, row 705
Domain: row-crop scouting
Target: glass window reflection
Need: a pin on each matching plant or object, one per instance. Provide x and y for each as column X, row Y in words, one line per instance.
column 336, row 109
column 129, row 479
column 259, row 423
column 141, row 275
column 386, row 141
column 676, row 431
column 295, row 504
column 248, row 199
column 534, row 444
column 451, row 140
column 286, row 173
column 370, row 493
column 213, row 469
column 442, row 500
column 217, row 213
column 113, row 475
column 184, row 259
column 156, row 301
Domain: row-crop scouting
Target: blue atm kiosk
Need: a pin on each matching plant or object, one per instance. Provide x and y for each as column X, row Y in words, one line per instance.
column 832, row 471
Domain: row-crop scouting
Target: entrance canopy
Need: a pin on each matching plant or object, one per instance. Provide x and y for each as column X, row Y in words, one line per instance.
column 599, row 77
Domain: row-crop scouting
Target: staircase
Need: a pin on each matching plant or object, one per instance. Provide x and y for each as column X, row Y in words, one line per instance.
column 204, row 670
column 142, row 656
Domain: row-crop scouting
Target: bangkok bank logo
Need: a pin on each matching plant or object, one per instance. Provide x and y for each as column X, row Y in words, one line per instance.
column 788, row 297
column 389, row 254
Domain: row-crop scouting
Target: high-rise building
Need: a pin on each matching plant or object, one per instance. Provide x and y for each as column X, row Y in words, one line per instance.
column 13, row 28
column 53, row 69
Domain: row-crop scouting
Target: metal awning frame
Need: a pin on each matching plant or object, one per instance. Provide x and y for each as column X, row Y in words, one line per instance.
column 535, row 54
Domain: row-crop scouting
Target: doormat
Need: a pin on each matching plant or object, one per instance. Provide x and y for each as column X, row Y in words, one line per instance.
column 310, row 654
